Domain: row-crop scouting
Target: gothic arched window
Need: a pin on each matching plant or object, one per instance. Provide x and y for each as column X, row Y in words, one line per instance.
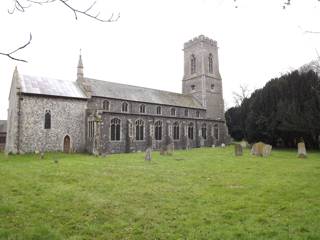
column 158, row 130
column 142, row 108
column 106, row 105
column 47, row 119
column 124, row 107
column 197, row 114
column 193, row 64
column 190, row 131
column 158, row 110
column 176, row 130
column 173, row 111
column 139, row 129
column 216, row 131
column 204, row 131
column 115, row 129
column 210, row 59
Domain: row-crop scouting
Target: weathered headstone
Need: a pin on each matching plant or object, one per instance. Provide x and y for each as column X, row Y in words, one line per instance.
column 187, row 143
column 170, row 148
column 257, row 149
column 213, row 146
column 223, row 145
column 148, row 154
column 302, row 152
column 238, row 149
column 244, row 144
column 267, row 150
column 162, row 150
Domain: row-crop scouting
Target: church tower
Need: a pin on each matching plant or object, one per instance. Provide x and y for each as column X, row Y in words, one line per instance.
column 201, row 75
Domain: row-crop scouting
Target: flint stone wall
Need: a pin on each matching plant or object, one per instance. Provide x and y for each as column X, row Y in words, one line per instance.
column 67, row 118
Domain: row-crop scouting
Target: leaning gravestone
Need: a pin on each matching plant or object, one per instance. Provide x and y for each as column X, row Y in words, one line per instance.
column 238, row 150
column 257, row 149
column 302, row 152
column 267, row 150
column 148, row 154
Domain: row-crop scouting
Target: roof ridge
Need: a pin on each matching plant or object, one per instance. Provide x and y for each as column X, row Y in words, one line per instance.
column 160, row 90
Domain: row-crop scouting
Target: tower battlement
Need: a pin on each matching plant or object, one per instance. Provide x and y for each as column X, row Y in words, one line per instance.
column 200, row 38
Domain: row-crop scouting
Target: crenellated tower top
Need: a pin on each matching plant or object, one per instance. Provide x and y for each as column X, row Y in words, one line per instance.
column 200, row 38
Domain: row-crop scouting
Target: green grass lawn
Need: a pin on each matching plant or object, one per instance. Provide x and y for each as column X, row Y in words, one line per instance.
column 198, row 194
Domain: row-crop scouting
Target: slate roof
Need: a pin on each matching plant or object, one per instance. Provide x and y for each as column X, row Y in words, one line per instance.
column 3, row 125
column 51, row 87
column 140, row 94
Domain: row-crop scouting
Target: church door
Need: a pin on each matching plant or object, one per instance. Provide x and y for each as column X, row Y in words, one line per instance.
column 66, row 144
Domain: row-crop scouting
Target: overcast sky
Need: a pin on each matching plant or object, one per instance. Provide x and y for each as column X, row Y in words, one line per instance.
column 257, row 41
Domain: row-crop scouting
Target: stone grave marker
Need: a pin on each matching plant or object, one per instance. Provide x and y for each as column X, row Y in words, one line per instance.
column 148, row 154
column 244, row 144
column 302, row 152
column 170, row 148
column 162, row 150
column 257, row 149
column 238, row 150
column 267, row 150
column 223, row 145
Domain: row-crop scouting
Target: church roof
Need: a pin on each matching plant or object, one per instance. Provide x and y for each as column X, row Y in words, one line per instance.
column 3, row 125
column 140, row 94
column 51, row 87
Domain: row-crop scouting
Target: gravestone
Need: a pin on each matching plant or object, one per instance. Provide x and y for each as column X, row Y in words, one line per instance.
column 202, row 142
column 162, row 150
column 302, row 152
column 244, row 144
column 148, row 154
column 238, row 150
column 170, row 148
column 257, row 149
column 213, row 146
column 267, row 150
column 223, row 145
column 187, row 143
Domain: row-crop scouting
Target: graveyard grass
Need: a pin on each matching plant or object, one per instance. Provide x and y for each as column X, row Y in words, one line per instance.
column 203, row 193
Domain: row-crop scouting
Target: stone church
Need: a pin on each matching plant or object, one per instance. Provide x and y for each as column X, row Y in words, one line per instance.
column 101, row 117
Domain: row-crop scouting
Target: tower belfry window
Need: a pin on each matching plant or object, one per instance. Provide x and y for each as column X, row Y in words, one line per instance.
column 210, row 63
column 193, row 64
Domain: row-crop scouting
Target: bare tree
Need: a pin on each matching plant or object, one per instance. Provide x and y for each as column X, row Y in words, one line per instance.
column 22, row 5
column 244, row 93
column 10, row 53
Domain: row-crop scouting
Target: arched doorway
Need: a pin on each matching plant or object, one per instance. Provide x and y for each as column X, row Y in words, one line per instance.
column 66, row 144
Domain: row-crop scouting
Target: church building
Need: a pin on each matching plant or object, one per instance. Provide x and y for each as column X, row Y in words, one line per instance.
column 101, row 117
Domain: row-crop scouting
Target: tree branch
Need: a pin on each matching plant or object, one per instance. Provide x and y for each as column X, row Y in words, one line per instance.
column 21, row 7
column 9, row 54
